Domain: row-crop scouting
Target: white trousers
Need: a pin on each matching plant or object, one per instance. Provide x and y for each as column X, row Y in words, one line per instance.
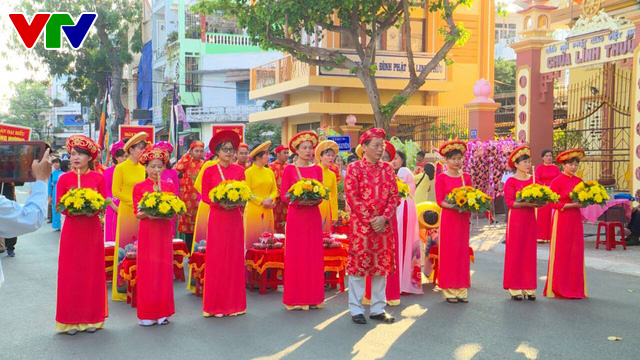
column 378, row 294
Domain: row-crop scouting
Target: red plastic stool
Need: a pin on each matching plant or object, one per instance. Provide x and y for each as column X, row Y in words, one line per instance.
column 610, row 235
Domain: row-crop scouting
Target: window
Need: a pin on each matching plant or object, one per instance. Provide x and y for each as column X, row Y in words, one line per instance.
column 394, row 39
column 192, row 79
column 242, row 93
column 512, row 26
column 306, row 127
column 417, row 35
column 345, row 42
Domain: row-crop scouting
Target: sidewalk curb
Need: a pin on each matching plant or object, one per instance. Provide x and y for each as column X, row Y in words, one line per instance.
column 590, row 262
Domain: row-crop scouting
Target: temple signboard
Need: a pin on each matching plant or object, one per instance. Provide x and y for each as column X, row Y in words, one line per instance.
column 599, row 47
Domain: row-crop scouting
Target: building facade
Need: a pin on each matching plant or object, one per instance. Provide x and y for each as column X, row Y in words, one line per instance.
column 208, row 59
column 314, row 97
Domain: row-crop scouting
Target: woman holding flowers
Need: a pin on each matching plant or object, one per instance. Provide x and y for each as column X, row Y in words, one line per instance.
column 454, row 277
column 304, row 252
column 258, row 214
column 408, row 244
column 224, row 288
column 82, row 291
column 520, row 257
column 566, row 273
column 326, row 152
column 544, row 175
column 155, row 247
column 125, row 176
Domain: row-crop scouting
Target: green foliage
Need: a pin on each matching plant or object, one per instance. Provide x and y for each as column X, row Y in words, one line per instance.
column 272, row 104
column 448, row 130
column 568, row 139
column 167, row 102
column 396, row 102
column 501, row 9
column 31, row 99
column 410, row 148
column 505, row 76
column 257, row 133
column 325, row 131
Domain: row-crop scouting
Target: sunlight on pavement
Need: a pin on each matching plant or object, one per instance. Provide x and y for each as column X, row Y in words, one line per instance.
column 376, row 343
column 285, row 352
column 527, row 350
column 329, row 321
column 467, row 351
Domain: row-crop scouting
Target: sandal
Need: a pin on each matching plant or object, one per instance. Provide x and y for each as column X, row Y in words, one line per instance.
column 452, row 300
column 531, row 297
column 165, row 322
column 464, row 301
column 517, row 297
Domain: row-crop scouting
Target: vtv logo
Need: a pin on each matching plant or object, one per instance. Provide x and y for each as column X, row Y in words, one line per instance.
column 53, row 23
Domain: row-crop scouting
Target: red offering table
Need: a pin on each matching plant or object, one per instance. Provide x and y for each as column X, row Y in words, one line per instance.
column 180, row 251
column 335, row 260
column 108, row 262
column 196, row 266
column 258, row 262
column 128, row 272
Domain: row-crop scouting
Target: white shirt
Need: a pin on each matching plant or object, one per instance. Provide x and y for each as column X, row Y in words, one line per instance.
column 16, row 219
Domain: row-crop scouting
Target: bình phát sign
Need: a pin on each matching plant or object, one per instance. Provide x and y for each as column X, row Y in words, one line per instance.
column 584, row 50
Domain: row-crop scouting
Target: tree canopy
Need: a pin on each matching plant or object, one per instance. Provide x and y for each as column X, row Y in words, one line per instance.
column 30, row 100
column 505, row 76
column 106, row 50
column 286, row 25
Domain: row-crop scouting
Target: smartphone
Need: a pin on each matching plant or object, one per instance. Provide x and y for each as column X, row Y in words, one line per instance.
column 16, row 158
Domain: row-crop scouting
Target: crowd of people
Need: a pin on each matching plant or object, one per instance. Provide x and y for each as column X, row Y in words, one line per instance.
column 385, row 253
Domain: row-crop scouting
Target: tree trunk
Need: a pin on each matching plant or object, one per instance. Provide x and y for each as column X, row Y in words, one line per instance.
column 371, row 88
column 116, row 101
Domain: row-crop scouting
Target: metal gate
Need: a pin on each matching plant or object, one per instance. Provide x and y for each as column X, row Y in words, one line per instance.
column 594, row 114
column 432, row 128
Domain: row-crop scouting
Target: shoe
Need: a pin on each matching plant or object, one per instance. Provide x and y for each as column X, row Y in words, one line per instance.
column 452, row 300
column 11, row 253
column 464, row 301
column 49, row 221
column 632, row 240
column 517, row 298
column 1, row 251
column 72, row 332
column 531, row 297
column 384, row 317
column 91, row 330
column 359, row 319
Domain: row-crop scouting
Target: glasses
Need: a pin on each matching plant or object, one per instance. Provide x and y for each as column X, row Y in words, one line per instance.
column 227, row 149
column 377, row 147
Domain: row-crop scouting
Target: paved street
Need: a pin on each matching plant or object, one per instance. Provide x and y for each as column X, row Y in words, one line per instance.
column 491, row 326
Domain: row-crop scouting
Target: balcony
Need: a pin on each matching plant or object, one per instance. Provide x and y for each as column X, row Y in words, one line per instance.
column 170, row 50
column 277, row 72
column 221, row 113
column 228, row 39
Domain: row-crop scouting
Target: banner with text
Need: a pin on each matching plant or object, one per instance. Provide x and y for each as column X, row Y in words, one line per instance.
column 14, row 133
column 127, row 131
column 595, row 49
column 391, row 67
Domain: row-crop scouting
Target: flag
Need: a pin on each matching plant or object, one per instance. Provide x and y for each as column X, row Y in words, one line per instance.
column 174, row 137
column 105, row 131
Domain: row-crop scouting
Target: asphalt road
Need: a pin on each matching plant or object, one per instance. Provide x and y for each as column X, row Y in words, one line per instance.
column 491, row 326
